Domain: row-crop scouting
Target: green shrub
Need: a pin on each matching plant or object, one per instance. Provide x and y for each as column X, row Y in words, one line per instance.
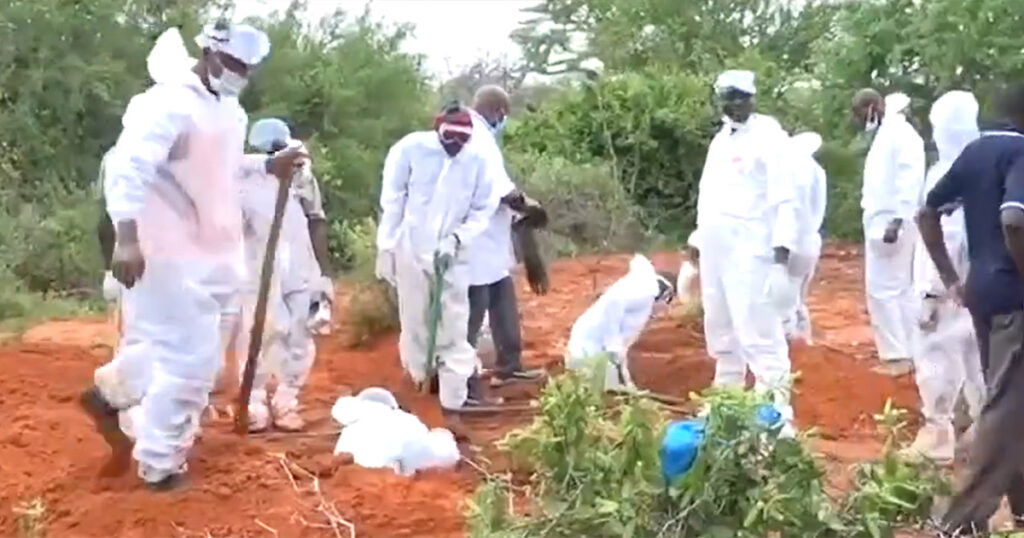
column 588, row 208
column 372, row 305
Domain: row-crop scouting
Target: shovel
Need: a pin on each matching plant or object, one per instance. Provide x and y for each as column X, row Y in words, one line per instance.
column 260, row 317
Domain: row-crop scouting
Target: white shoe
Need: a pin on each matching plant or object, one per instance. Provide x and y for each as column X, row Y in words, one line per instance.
column 259, row 417
column 933, row 442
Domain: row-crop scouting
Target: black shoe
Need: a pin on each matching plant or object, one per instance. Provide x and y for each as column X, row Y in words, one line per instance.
column 504, row 378
column 169, row 483
column 105, row 418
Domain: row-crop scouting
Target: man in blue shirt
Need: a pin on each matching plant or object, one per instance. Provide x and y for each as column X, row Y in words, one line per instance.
column 988, row 179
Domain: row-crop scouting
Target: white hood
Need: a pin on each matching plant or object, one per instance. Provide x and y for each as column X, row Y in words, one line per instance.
column 896, row 103
column 169, row 61
column 954, row 118
column 642, row 271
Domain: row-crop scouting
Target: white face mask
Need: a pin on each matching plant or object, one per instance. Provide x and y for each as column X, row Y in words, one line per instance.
column 229, row 83
column 871, row 126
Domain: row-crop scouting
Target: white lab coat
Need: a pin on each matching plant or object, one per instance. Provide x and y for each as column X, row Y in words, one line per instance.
column 946, row 356
column 287, row 341
column 492, row 258
column 612, row 324
column 747, row 205
column 812, row 198
column 426, row 196
column 893, row 178
column 173, row 171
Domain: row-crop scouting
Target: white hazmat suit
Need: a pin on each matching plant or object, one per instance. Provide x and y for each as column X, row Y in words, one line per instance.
column 946, row 357
column 747, row 206
column 288, row 349
column 893, row 178
column 173, row 172
column 614, row 322
column 428, row 199
column 812, row 198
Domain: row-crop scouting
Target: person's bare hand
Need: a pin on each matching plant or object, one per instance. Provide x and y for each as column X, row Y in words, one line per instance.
column 956, row 291
column 127, row 263
column 284, row 163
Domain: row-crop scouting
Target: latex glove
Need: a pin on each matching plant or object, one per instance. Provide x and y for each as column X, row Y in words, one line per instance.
column 779, row 289
column 111, row 287
column 447, row 249
column 928, row 316
column 325, row 288
column 385, row 266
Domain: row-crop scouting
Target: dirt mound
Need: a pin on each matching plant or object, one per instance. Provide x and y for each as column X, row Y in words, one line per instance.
column 291, row 484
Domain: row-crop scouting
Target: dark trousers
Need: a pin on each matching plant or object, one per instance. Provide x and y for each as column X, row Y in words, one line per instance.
column 997, row 458
column 498, row 300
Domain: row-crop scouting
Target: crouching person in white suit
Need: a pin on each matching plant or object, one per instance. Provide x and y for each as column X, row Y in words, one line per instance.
column 612, row 324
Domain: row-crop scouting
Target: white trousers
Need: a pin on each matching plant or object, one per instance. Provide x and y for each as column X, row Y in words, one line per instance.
column 168, row 358
column 888, row 279
column 741, row 327
column 287, row 353
column 457, row 359
column 947, row 360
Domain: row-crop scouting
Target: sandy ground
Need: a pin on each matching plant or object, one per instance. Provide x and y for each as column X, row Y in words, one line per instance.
column 256, row 486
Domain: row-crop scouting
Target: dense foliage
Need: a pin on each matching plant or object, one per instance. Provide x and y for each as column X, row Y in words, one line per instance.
column 594, row 471
column 632, row 115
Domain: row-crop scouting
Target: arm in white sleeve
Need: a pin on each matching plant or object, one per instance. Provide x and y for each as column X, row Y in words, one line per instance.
column 820, row 198
column 908, row 172
column 782, row 194
column 394, row 192
column 703, row 197
column 484, row 202
column 152, row 125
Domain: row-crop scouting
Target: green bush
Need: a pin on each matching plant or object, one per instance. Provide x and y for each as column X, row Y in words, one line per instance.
column 588, row 208
column 650, row 128
column 372, row 305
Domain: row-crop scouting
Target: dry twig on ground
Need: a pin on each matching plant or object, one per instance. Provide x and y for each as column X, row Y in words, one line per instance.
column 323, row 506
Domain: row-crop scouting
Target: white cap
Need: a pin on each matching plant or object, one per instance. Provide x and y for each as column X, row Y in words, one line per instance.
column 736, row 79
column 266, row 131
column 241, row 41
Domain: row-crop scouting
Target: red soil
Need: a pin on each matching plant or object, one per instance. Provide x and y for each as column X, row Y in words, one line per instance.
column 243, row 487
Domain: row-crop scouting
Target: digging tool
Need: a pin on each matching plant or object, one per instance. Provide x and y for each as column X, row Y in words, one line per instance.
column 434, row 311
column 260, row 316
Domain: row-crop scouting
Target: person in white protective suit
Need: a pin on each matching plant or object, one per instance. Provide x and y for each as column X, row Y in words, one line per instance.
column 746, row 229
column 946, row 357
column 614, row 322
column 812, row 198
column 171, row 194
column 893, row 178
column 436, row 198
column 298, row 283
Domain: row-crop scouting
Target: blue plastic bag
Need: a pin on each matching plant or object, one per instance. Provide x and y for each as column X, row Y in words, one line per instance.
column 768, row 416
column 679, row 448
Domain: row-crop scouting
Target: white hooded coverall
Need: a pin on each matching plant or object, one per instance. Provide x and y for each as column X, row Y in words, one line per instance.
column 812, row 198
column 426, row 196
column 747, row 206
column 946, row 356
column 288, row 350
column 614, row 322
column 893, row 178
column 174, row 172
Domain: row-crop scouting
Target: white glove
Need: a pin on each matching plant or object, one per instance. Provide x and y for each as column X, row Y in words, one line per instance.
column 447, row 249
column 111, row 287
column 385, row 267
column 325, row 287
column 928, row 314
column 780, row 290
